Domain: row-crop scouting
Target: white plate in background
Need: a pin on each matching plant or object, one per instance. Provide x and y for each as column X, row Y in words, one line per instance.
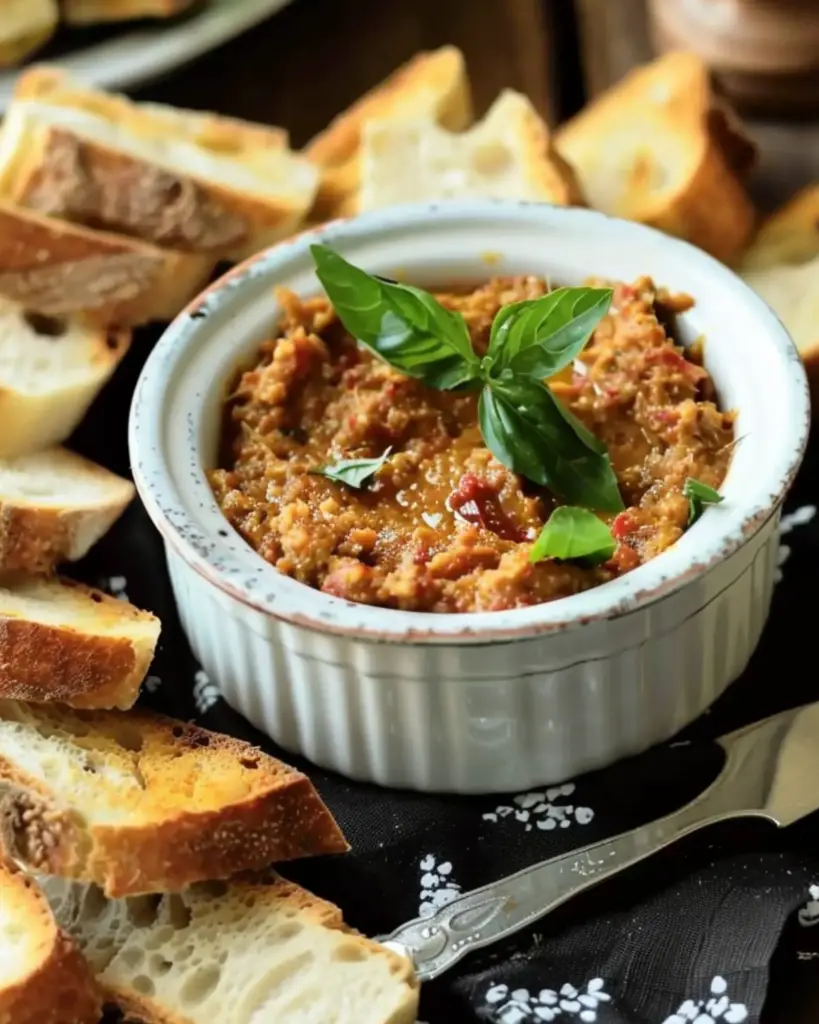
column 136, row 55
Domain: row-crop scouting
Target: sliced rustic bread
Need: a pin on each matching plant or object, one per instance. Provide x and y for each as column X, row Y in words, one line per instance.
column 660, row 148
column 108, row 163
column 24, row 26
column 782, row 265
column 54, row 505
column 63, row 641
column 44, row 979
column 63, row 269
column 92, row 12
column 792, row 291
column 140, row 803
column 44, row 83
column 244, row 953
column 789, row 235
column 507, row 155
column 50, row 372
column 433, row 84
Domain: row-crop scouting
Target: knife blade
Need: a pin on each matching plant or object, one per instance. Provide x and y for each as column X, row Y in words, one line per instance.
column 771, row 771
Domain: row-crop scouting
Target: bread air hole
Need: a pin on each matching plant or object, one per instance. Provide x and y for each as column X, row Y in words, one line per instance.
column 141, row 910
column 143, row 984
column 200, row 985
column 349, row 953
column 45, row 326
column 94, row 905
column 179, row 914
column 132, row 958
column 158, row 965
column 287, row 931
column 127, row 737
column 491, row 159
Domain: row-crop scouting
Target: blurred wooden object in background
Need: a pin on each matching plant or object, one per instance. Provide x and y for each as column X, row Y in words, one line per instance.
column 765, row 53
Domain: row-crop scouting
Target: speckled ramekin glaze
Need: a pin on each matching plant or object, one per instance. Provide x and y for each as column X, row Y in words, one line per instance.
column 483, row 702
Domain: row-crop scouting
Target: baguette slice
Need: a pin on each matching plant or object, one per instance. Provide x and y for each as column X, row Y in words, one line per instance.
column 433, row 84
column 216, row 132
column 25, row 25
column 789, row 236
column 92, row 12
column 107, row 163
column 44, row 978
column 659, row 148
column 245, row 953
column 63, row 641
column 54, row 506
column 508, row 155
column 62, row 269
column 792, row 292
column 782, row 265
column 50, row 372
column 140, row 803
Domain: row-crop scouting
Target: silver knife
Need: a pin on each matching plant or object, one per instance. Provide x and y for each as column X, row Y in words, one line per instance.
column 771, row 771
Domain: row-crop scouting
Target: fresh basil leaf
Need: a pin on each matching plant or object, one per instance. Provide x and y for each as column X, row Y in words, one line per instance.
column 538, row 337
column 574, row 533
column 403, row 325
column 699, row 495
column 526, row 429
column 353, row 472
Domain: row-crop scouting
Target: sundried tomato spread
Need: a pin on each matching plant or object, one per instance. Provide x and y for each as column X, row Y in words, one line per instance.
column 443, row 526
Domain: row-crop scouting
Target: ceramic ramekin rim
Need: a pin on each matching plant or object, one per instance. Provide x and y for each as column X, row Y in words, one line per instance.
column 314, row 610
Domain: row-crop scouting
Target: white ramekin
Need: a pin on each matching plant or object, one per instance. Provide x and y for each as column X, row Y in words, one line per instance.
column 497, row 701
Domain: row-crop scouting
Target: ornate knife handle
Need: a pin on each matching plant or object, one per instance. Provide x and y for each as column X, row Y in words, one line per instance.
column 493, row 912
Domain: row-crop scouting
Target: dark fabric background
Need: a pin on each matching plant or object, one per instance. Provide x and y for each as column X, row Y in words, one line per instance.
column 693, row 935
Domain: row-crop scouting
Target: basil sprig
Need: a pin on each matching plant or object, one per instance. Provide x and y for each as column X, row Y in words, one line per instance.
column 353, row 472
column 699, row 495
column 574, row 533
column 523, row 424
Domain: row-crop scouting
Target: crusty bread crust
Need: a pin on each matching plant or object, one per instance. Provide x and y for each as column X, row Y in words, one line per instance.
column 230, row 136
column 62, row 269
column 57, row 988
column 44, row 662
column 275, row 814
column 92, row 12
column 38, row 537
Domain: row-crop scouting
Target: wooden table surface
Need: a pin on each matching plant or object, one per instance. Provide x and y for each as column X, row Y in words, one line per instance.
column 311, row 60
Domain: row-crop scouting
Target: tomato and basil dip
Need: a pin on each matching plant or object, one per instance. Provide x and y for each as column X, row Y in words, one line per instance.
column 474, row 450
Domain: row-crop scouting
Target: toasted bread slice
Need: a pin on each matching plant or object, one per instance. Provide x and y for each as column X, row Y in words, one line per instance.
column 93, row 12
column 508, row 155
column 104, row 162
column 789, row 235
column 44, row 979
column 62, row 641
column 54, row 505
column 25, row 25
column 659, row 148
column 242, row 953
column 140, row 803
column 62, row 269
column 792, row 291
column 50, row 372
column 433, row 84
column 231, row 136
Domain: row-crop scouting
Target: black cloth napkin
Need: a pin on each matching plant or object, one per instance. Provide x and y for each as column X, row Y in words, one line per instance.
column 692, row 936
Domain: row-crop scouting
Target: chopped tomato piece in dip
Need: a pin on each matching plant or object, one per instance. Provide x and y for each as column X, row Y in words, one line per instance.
column 443, row 526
